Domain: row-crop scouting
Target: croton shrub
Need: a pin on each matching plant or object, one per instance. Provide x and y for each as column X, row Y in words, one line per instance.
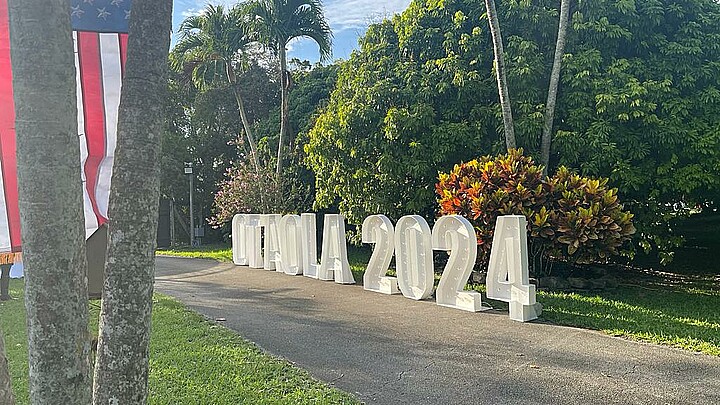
column 570, row 217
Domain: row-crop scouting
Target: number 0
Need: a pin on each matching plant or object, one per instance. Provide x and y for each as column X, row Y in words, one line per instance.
column 413, row 257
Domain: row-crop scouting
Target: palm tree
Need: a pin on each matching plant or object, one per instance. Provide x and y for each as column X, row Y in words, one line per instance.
column 51, row 202
column 209, row 45
column 6, row 394
column 276, row 23
column 122, row 364
column 500, row 73
column 554, row 82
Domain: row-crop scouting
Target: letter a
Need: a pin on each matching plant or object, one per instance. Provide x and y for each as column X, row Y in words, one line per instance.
column 334, row 262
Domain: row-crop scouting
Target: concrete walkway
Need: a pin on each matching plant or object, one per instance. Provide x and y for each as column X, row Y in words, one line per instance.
column 392, row 350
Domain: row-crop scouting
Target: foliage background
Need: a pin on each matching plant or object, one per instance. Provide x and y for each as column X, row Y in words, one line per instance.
column 639, row 103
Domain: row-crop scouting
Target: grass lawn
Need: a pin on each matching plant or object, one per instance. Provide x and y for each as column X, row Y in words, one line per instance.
column 218, row 252
column 676, row 306
column 682, row 317
column 192, row 361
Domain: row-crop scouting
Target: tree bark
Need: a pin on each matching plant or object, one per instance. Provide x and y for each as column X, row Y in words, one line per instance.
column 553, row 89
column 6, row 394
column 500, row 74
column 284, row 107
column 121, row 369
column 232, row 79
column 50, row 199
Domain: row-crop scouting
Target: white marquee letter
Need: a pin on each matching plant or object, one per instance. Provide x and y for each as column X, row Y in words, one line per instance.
column 334, row 262
column 379, row 230
column 290, row 250
column 271, row 245
column 413, row 257
column 309, row 245
column 239, row 241
column 456, row 234
column 253, row 240
column 508, row 273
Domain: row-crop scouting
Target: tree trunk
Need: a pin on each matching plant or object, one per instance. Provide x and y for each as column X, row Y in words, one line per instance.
column 121, row 369
column 500, row 74
column 51, row 202
column 284, row 107
column 232, row 79
column 6, row 394
column 553, row 89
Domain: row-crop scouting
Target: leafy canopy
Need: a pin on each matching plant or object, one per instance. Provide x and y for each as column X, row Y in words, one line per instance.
column 639, row 102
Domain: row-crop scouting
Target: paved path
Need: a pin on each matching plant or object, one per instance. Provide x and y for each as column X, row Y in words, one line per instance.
column 392, row 350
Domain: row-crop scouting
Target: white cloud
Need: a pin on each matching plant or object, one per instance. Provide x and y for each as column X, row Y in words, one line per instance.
column 190, row 12
column 341, row 14
column 187, row 8
column 354, row 14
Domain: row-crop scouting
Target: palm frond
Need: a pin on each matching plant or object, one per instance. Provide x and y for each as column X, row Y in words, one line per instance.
column 208, row 42
column 276, row 22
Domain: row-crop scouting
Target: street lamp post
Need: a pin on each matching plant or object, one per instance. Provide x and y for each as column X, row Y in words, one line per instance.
column 189, row 171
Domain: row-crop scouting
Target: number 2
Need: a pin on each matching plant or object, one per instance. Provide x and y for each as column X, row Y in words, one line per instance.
column 455, row 234
column 379, row 230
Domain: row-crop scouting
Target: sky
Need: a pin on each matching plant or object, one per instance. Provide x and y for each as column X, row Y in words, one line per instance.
column 348, row 20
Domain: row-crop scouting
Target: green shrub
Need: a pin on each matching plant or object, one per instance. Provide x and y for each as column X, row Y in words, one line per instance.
column 245, row 190
column 248, row 190
column 585, row 221
column 570, row 217
column 481, row 190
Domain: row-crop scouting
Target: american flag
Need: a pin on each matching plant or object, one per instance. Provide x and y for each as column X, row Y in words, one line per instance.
column 100, row 41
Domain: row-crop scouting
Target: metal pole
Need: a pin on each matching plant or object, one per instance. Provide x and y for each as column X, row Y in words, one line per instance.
column 172, row 222
column 192, row 218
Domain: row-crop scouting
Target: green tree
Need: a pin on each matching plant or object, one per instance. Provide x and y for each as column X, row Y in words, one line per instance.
column 50, row 199
column 202, row 129
column 641, row 105
column 242, row 191
column 122, row 364
column 401, row 110
column 277, row 22
column 209, row 47
column 638, row 102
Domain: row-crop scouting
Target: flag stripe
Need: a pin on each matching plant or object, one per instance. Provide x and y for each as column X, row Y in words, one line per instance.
column 8, row 161
column 94, row 111
column 99, row 62
column 5, row 245
column 112, row 82
column 123, row 50
column 91, row 221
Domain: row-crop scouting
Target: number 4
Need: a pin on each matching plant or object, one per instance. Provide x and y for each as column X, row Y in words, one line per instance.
column 508, row 274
